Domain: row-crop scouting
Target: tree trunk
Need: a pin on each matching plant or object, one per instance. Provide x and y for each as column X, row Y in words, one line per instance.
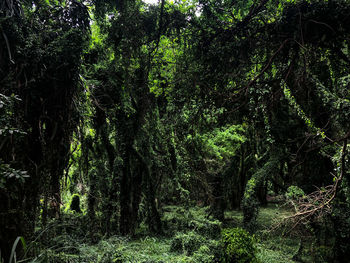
column 153, row 216
column 218, row 205
column 127, row 213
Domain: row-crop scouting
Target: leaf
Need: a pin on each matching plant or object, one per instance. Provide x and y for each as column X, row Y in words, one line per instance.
column 13, row 251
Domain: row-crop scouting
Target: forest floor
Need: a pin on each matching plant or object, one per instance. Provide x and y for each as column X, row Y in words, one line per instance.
column 190, row 236
column 272, row 246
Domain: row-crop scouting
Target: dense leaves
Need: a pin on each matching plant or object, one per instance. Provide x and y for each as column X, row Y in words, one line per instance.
column 118, row 109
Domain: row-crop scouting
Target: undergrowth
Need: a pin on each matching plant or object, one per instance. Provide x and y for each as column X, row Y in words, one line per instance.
column 190, row 236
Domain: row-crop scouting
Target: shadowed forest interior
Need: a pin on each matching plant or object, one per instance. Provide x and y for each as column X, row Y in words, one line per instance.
column 174, row 131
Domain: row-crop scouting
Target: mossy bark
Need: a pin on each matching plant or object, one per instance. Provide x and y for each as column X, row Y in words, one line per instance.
column 250, row 203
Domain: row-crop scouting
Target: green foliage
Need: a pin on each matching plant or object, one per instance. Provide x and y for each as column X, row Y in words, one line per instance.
column 10, row 175
column 223, row 142
column 168, row 97
column 72, row 245
column 238, row 246
column 7, row 116
column 250, row 203
column 323, row 254
column 294, row 193
column 178, row 218
column 207, row 253
column 308, row 122
column 186, row 243
column 197, row 240
column 121, row 249
column 14, row 248
column 162, row 75
column 278, row 249
column 196, row 247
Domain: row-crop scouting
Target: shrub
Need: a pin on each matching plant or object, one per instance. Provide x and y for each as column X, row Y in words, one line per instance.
column 294, row 193
column 238, row 246
column 195, row 219
column 186, row 243
column 203, row 255
column 323, row 254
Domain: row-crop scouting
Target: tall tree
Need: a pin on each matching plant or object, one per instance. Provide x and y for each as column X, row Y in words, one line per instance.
column 41, row 44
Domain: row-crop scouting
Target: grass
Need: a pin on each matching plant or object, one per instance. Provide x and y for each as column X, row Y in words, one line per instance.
column 272, row 248
column 116, row 249
column 267, row 216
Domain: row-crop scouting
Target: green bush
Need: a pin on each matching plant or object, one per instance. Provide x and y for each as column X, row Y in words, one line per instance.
column 203, row 255
column 323, row 254
column 238, row 246
column 186, row 243
column 177, row 218
column 294, row 192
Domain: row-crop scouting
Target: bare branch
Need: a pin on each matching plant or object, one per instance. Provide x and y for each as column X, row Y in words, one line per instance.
column 315, row 206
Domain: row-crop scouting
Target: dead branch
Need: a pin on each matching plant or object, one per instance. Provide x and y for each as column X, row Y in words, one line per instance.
column 316, row 206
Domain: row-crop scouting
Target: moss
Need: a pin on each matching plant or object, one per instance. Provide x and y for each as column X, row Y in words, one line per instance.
column 250, row 203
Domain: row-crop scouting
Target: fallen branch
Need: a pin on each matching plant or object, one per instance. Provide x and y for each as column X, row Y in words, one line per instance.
column 316, row 206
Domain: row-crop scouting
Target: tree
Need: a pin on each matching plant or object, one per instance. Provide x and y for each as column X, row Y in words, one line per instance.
column 41, row 45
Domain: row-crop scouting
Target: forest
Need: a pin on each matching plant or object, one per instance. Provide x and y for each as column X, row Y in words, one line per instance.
column 174, row 131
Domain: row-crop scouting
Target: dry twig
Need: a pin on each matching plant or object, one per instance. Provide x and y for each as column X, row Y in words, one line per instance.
column 315, row 206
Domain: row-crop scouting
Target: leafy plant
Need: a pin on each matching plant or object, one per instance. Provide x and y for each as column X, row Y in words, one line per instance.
column 186, row 243
column 13, row 255
column 7, row 173
column 193, row 219
column 205, row 254
column 238, row 246
column 294, row 192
